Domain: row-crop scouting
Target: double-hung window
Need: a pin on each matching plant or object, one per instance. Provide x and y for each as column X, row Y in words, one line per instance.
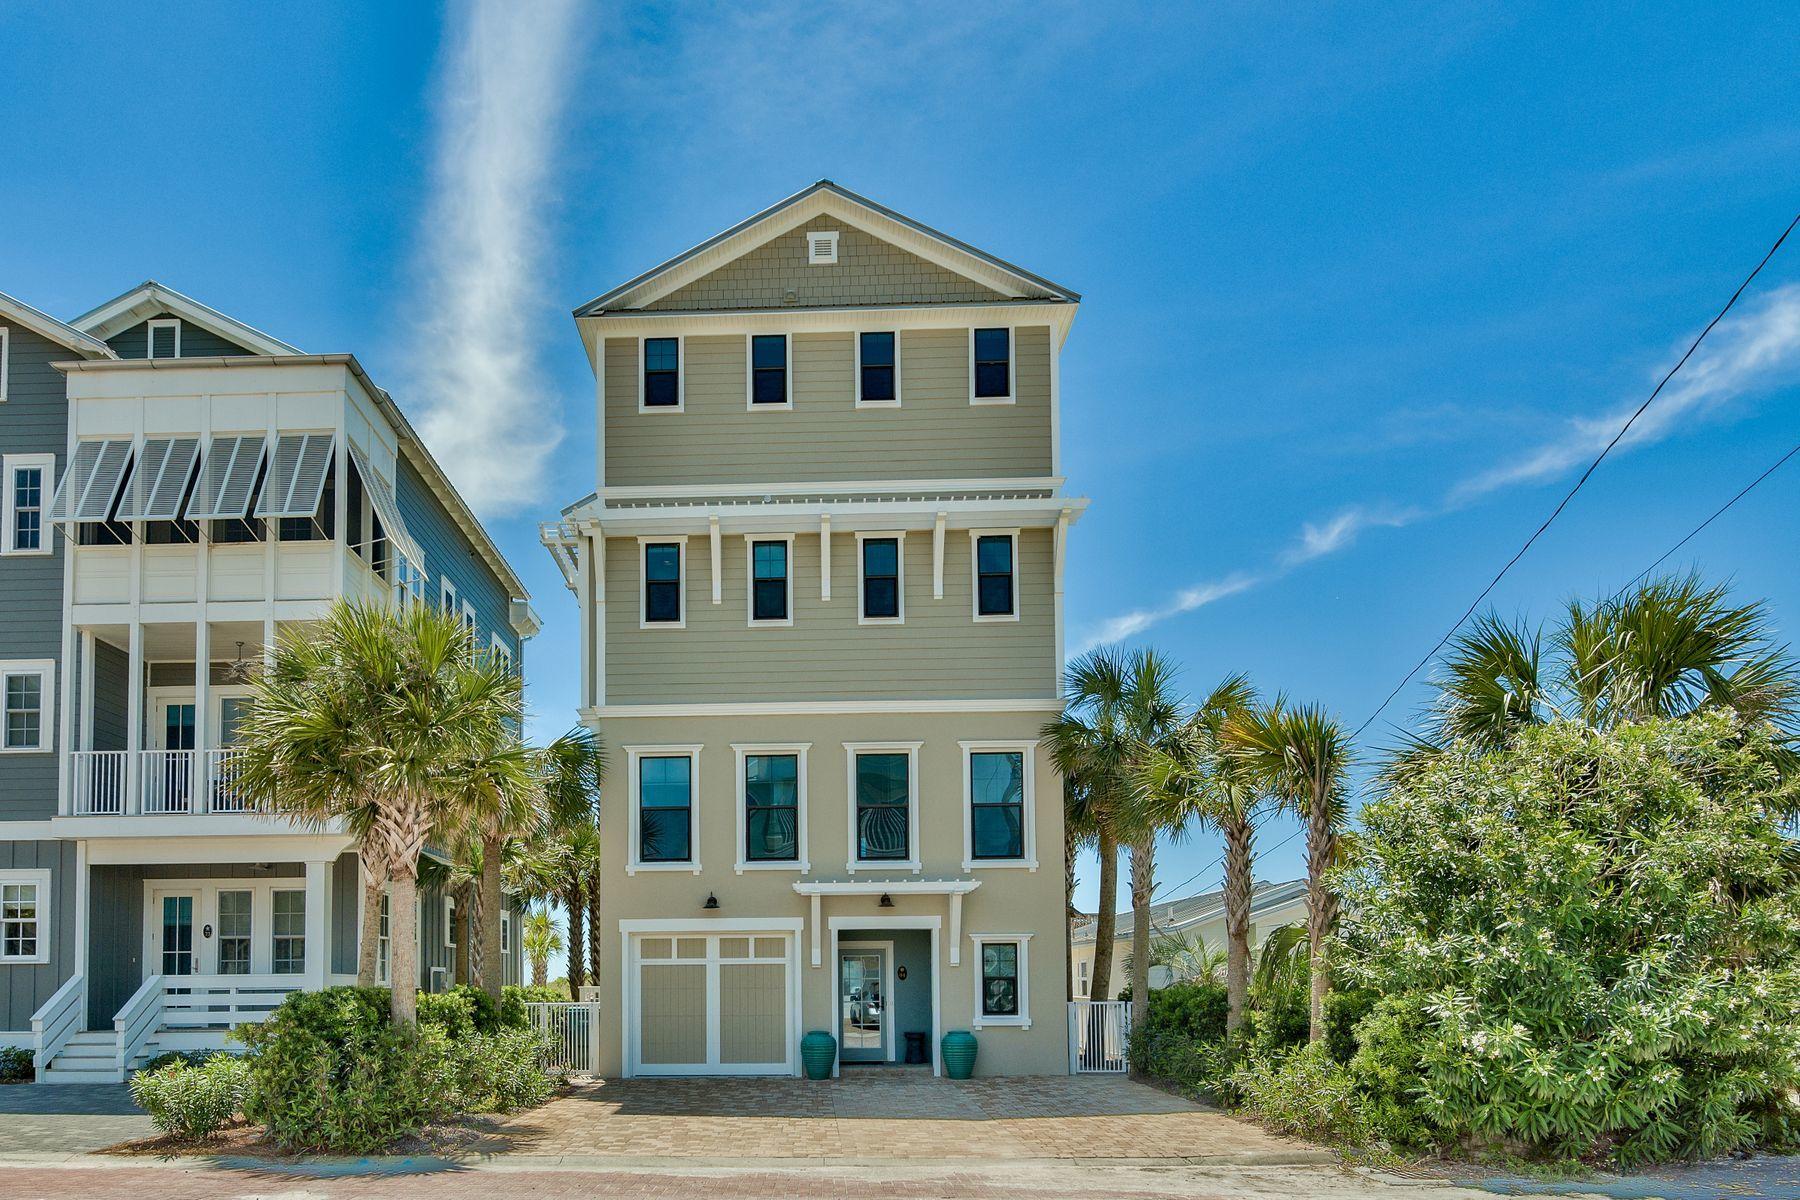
column 996, row 576
column 990, row 366
column 384, row 939
column 234, row 932
column 24, row 916
column 661, row 385
column 771, row 807
column 449, row 922
column 877, row 368
column 880, row 585
column 288, row 941
column 662, row 584
column 447, row 599
column 770, row 380
column 884, row 805
column 26, row 705
column 771, row 582
column 998, row 794
column 663, row 781
column 1003, row 984
column 27, row 496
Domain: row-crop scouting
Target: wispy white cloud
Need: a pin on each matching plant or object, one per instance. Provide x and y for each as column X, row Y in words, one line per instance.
column 489, row 415
column 1745, row 356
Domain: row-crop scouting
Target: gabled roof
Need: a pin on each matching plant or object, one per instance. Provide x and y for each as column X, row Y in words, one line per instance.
column 149, row 298
column 1172, row 915
column 18, row 312
column 826, row 196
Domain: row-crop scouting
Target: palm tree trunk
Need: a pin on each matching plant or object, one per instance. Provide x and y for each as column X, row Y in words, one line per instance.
column 1106, row 915
column 368, row 946
column 490, row 972
column 1143, row 885
column 403, row 948
column 459, row 966
column 577, row 906
column 1239, row 882
column 540, row 971
column 1070, row 916
column 1321, row 908
column 593, row 933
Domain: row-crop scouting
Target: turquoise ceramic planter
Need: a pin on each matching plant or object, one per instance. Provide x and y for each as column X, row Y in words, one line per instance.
column 818, row 1050
column 959, row 1054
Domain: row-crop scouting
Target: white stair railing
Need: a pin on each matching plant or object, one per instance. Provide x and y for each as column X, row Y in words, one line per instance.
column 99, row 780
column 137, row 1022
column 57, row 1020
column 1099, row 1036
column 573, row 1028
column 217, row 1002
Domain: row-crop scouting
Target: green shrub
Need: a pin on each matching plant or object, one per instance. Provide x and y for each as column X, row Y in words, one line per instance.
column 459, row 1011
column 1344, row 1011
column 502, row 1071
column 514, row 998
column 1388, row 1071
column 192, row 1058
column 1305, row 1094
column 16, row 1065
column 1279, row 1021
column 329, row 1071
column 1590, row 941
column 193, row 1101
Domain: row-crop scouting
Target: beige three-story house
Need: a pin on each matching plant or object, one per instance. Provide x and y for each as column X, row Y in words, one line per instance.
column 821, row 597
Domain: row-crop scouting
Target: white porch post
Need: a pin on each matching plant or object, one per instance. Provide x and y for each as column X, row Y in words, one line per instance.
column 318, row 924
column 134, row 719
column 88, row 645
column 718, row 584
column 201, row 773
column 937, row 556
column 825, row 556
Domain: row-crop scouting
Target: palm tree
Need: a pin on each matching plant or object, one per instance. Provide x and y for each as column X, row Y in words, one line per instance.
column 1079, row 833
column 541, row 940
column 1301, row 756
column 1195, row 777
column 571, row 769
column 368, row 717
column 1117, row 707
column 499, row 790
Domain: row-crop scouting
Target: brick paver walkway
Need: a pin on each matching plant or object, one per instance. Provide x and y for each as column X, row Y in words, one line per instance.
column 885, row 1118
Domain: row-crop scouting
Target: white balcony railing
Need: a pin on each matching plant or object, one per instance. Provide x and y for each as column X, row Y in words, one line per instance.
column 168, row 781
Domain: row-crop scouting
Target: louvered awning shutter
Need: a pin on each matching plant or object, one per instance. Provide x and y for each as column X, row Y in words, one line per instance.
column 381, row 497
column 227, row 479
column 91, row 484
column 160, row 482
column 297, row 474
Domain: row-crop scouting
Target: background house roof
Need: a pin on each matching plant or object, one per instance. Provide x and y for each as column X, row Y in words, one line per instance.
column 44, row 325
column 150, row 298
column 1172, row 915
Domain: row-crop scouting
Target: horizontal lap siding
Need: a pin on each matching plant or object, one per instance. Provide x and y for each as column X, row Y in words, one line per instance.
column 33, row 420
column 935, row 432
column 195, row 341
column 449, row 552
column 25, row 987
column 940, row 652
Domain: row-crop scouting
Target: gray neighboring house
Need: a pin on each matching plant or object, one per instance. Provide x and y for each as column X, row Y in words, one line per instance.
column 179, row 489
column 1197, row 919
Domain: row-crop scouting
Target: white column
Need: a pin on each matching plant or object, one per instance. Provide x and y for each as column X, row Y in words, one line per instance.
column 81, row 908
column 817, row 953
column 597, row 544
column 955, row 928
column 318, row 923
column 584, row 596
column 88, row 648
column 134, row 719
column 340, row 501
column 268, row 642
column 937, row 558
column 66, row 719
column 825, row 556
column 201, row 783
column 718, row 583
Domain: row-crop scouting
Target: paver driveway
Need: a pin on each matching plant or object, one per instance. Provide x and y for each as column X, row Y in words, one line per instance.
column 857, row 1119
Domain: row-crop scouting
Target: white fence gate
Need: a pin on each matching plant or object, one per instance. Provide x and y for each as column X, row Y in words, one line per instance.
column 574, row 1031
column 1099, row 1033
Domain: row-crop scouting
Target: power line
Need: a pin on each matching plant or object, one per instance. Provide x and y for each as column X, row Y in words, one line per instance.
column 1579, row 483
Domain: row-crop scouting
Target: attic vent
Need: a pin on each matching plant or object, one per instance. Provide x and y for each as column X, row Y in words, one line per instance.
column 821, row 247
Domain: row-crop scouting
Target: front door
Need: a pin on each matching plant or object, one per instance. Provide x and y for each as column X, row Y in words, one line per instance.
column 169, row 786
column 864, row 1015
column 179, row 951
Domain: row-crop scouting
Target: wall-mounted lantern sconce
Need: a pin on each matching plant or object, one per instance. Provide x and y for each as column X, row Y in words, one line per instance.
column 887, row 901
column 712, row 902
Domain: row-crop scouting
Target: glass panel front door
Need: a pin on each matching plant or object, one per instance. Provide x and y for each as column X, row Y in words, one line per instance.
column 178, row 725
column 863, row 1006
column 178, row 934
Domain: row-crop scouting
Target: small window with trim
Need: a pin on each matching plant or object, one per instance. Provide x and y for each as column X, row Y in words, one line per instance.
column 878, row 368
column 662, row 583
column 163, row 339
column 880, row 582
column 665, row 808
column 25, row 916
column 996, row 576
column 991, row 361
column 27, row 496
column 771, row 583
column 769, row 378
column 25, row 706
column 662, row 373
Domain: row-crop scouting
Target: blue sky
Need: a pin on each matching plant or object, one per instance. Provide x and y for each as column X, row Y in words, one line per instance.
column 1362, row 284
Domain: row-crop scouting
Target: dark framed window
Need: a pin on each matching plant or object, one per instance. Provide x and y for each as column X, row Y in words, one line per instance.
column 768, row 581
column 881, row 579
column 234, row 932
column 994, row 575
column 883, row 802
column 28, row 508
column 771, row 807
column 288, row 941
column 662, row 581
column 665, row 804
column 237, row 530
column 662, row 372
column 103, row 533
column 997, row 804
column 320, row 527
column 876, row 364
column 1000, row 979
column 768, row 368
column 993, row 364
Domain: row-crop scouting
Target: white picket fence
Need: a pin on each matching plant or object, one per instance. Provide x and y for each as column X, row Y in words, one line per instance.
column 1099, row 1033
column 574, row 1031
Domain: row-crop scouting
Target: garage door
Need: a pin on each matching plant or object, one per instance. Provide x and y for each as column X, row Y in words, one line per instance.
column 713, row 1004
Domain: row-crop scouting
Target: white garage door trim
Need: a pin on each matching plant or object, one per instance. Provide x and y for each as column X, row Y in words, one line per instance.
column 635, row 931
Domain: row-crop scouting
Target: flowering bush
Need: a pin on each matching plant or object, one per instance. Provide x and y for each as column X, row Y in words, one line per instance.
column 192, row 1101
column 1588, row 943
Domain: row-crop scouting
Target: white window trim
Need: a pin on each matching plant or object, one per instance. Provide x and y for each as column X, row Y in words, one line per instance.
column 150, row 328
column 1023, row 1020
column 681, row 580
column 899, row 537
column 911, row 750
column 15, row 462
column 680, row 375
column 856, row 344
column 447, row 595
column 1012, row 367
column 500, row 650
column 505, row 933
column 1028, row 813
column 744, row 750
column 633, row 755
column 975, row 536
column 468, row 618
column 40, row 879
column 307, row 948
column 750, row 540
column 45, row 669
column 384, row 963
column 787, row 373
column 825, row 235
column 5, row 359
column 449, row 922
